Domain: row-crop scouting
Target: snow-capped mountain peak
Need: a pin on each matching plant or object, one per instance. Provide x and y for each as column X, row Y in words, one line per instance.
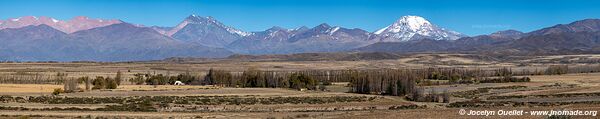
column 195, row 19
column 407, row 27
column 210, row 20
column 76, row 24
column 413, row 23
column 206, row 31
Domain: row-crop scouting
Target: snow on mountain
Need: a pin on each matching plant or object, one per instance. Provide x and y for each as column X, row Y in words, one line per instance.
column 76, row 24
column 205, row 31
column 321, row 38
column 333, row 30
column 194, row 19
column 409, row 27
column 274, row 33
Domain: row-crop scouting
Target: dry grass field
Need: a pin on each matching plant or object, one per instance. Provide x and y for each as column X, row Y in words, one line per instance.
column 574, row 91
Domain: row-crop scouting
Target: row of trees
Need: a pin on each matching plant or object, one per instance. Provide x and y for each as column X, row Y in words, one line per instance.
column 390, row 82
column 380, row 81
column 557, row 70
column 249, row 78
column 257, row 78
column 72, row 85
column 399, row 82
column 410, row 82
column 561, row 69
column 32, row 78
column 453, row 75
column 564, row 69
column 160, row 79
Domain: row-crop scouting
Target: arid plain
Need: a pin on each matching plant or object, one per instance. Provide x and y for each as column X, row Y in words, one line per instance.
column 27, row 89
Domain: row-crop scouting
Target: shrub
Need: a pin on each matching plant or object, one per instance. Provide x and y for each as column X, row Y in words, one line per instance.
column 138, row 79
column 158, row 79
column 326, row 82
column 57, row 91
column 104, row 83
column 99, row 83
column 111, row 83
column 186, row 78
column 505, row 80
column 23, row 117
column 322, row 87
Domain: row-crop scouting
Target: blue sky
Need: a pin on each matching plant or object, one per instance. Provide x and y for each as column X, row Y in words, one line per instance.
column 472, row 17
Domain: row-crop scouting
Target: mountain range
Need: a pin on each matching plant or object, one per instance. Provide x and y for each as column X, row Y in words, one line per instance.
column 33, row 38
column 579, row 37
column 76, row 24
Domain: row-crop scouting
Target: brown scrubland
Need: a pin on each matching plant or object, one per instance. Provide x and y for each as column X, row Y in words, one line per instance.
column 410, row 86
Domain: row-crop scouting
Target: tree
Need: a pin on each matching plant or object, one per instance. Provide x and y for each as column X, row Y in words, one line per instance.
column 186, row 78
column 298, row 81
column 209, row 78
column 118, row 77
column 251, row 78
column 111, row 83
column 87, row 82
column 71, row 85
column 60, row 77
column 218, row 77
column 99, row 83
column 158, row 79
column 138, row 79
